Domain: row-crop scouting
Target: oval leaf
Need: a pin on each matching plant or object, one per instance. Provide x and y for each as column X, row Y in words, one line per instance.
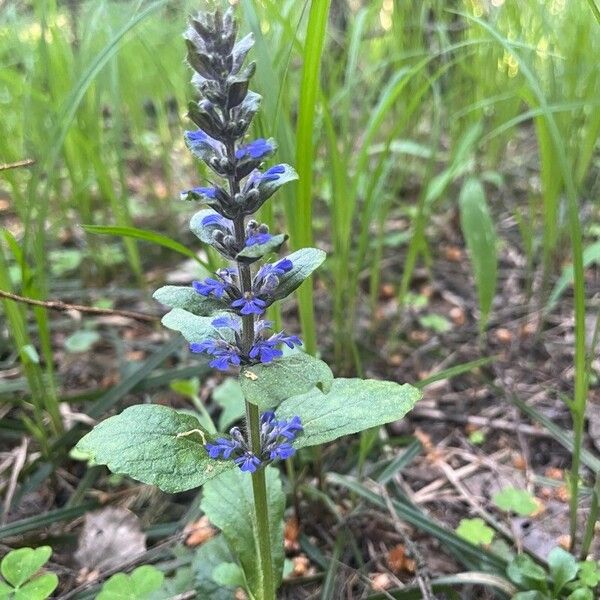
column 187, row 298
column 267, row 385
column 251, row 253
column 20, row 565
column 305, row 261
column 352, row 405
column 229, row 505
column 156, row 445
column 192, row 327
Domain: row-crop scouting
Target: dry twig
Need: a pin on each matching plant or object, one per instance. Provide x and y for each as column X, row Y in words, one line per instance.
column 91, row 310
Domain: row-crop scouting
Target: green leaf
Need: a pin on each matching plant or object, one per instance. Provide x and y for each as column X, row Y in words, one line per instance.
column 229, row 396
column 563, row 568
column 186, row 387
column 81, row 341
column 480, row 236
column 305, row 261
column 533, row 595
column 156, row 445
column 581, row 594
column 5, row 590
column 187, row 298
column 267, row 385
column 148, row 236
column 351, row 405
column 251, row 253
column 229, row 575
column 591, row 255
column 526, row 573
column 192, row 327
column 513, row 500
column 20, row 565
column 138, row 586
column 205, row 232
column 267, row 188
column 208, row 557
column 475, row 531
column 65, row 260
column 38, row 589
column 437, row 323
column 228, row 503
column 589, row 573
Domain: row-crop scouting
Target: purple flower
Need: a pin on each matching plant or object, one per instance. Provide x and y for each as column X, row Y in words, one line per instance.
column 225, row 354
column 272, row 174
column 276, row 439
column 284, row 266
column 265, row 351
column 209, row 192
column 249, row 305
column 248, row 462
column 256, row 149
column 282, row 451
column 258, row 238
column 210, row 286
column 215, row 219
column 289, row 340
column 222, row 447
column 227, row 321
column 198, row 141
column 290, row 429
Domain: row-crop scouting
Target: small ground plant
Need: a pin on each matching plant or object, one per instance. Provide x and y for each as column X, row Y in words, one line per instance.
column 292, row 400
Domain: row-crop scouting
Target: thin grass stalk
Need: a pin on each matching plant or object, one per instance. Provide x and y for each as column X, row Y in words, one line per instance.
column 305, row 153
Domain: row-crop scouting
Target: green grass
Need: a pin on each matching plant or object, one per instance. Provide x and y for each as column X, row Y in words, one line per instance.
column 387, row 110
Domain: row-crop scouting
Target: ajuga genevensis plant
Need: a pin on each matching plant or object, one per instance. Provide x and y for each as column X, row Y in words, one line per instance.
column 291, row 398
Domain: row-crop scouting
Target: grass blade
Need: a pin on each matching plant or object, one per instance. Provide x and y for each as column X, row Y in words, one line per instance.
column 480, row 236
column 147, row 236
column 305, row 154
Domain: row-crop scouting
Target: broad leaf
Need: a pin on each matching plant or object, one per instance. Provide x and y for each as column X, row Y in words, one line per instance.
column 563, row 568
column 38, row 589
column 192, row 327
column 229, row 575
column 267, row 385
column 305, row 261
column 252, row 253
column 208, row 557
column 526, row 573
column 140, row 585
column 475, row 531
column 229, row 505
column 351, row 405
column 156, row 445
column 581, row 594
column 267, row 188
column 187, row 298
column 512, row 499
column 480, row 236
column 20, row 565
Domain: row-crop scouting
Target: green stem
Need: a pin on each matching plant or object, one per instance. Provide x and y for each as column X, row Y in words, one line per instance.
column 259, row 487
column 588, row 535
column 259, row 490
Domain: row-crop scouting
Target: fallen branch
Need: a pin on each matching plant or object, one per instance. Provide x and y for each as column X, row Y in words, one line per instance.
column 91, row 310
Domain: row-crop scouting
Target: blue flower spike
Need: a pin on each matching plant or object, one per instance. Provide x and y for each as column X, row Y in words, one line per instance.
column 276, row 439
